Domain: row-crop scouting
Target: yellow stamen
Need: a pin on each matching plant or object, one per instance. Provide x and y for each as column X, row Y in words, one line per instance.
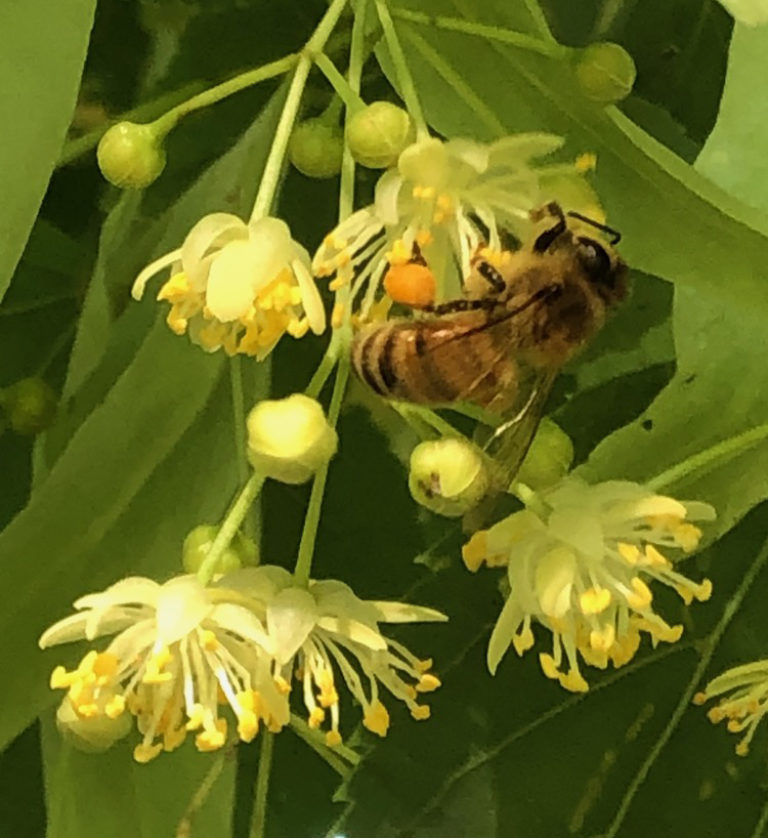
column 548, row 666
column 427, row 683
column 642, row 596
column 585, row 162
column 595, row 600
column 337, row 315
column 114, row 707
column 212, row 740
column 208, row 640
column 376, row 718
column 475, row 551
column 421, row 712
column 687, row 537
column 655, row 558
column 424, row 238
column 629, row 552
column 523, row 640
column 143, row 753
column 574, row 682
column 332, row 738
column 316, row 717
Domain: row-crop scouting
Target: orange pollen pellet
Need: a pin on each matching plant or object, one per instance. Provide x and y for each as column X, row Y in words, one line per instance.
column 411, row 284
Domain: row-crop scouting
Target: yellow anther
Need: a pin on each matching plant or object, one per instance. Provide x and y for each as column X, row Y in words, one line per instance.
column 734, row 726
column 574, row 681
column 105, row 666
column 247, row 726
column 445, row 203
column 208, row 640
column 585, row 162
column 742, row 749
column 427, row 683
column 143, row 753
column 173, row 738
column 399, row 254
column 61, row 679
column 298, row 328
column 424, row 238
column 595, row 600
column 175, row 289
column 423, row 666
column 629, row 552
column 640, row 597
column 282, row 685
column 376, row 718
column 655, row 558
column 114, row 707
column 523, row 640
column 602, row 639
column 439, row 217
column 316, row 717
column 548, row 666
column 176, row 323
column 687, row 537
column 337, row 315
column 332, row 738
column 421, row 712
column 700, row 698
column 196, row 717
column 475, row 550
column 339, row 281
column 212, row 740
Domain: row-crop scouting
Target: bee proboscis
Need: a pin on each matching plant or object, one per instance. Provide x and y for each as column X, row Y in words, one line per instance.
column 503, row 343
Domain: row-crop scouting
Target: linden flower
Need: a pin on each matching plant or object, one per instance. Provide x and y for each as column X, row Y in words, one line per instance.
column 748, row 703
column 325, row 635
column 238, row 286
column 180, row 649
column 449, row 198
column 581, row 568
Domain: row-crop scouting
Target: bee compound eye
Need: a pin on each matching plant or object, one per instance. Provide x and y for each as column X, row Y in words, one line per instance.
column 595, row 260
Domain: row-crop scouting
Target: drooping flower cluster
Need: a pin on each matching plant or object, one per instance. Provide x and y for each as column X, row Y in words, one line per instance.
column 747, row 704
column 448, row 199
column 581, row 566
column 238, row 286
column 181, row 651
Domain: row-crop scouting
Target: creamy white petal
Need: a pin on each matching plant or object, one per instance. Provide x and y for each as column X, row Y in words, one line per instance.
column 555, row 575
column 182, row 605
column 291, row 616
column 231, row 279
column 425, row 162
column 386, row 197
column 501, row 637
column 698, row 511
column 403, row 612
column 212, row 231
column 133, row 590
column 259, row 582
column 583, row 532
column 242, row 622
column 352, row 630
column 519, row 149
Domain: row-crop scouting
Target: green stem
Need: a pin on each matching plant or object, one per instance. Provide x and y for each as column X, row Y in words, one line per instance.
column 141, row 113
column 405, row 80
column 184, row 829
column 312, row 519
column 238, row 416
column 724, row 450
column 428, row 417
column 354, row 76
column 491, row 33
column 333, row 756
column 350, row 98
column 259, row 816
column 324, row 369
column 274, row 165
column 221, row 91
column 230, row 526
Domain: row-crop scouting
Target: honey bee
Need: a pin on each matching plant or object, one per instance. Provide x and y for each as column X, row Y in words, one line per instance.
column 503, row 343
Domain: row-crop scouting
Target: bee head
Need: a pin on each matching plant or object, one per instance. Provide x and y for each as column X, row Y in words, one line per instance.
column 604, row 269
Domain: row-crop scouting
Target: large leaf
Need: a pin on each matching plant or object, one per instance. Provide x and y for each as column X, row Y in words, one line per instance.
column 48, row 39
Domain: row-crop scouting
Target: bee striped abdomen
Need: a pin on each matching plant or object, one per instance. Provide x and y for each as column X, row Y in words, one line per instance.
column 424, row 362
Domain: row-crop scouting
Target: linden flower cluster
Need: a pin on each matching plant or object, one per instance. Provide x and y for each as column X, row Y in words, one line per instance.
column 181, row 651
column 581, row 567
column 238, row 286
column 449, row 199
column 747, row 704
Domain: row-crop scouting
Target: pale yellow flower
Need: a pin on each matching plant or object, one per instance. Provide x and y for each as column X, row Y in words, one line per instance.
column 581, row 566
column 238, row 286
column 179, row 650
column 328, row 638
column 449, row 199
column 747, row 704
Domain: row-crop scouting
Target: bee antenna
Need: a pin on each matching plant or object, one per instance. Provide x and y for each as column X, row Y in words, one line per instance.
column 614, row 234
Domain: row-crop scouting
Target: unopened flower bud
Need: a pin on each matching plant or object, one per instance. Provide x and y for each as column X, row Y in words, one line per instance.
column 30, row 406
column 91, row 735
column 548, row 459
column 290, row 439
column 448, row 476
column 130, row 155
column 241, row 551
column 316, row 148
column 605, row 72
column 378, row 133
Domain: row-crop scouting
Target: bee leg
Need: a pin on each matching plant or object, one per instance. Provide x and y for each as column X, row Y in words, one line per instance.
column 545, row 239
column 491, row 276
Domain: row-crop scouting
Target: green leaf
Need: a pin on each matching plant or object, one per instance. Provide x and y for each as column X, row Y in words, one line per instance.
column 48, row 39
column 92, row 795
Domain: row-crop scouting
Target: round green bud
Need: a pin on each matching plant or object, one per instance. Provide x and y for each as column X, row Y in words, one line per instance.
column 316, row 148
column 30, row 406
column 198, row 543
column 94, row 735
column 290, row 439
column 130, row 155
column 378, row 133
column 605, row 72
column 548, row 459
column 448, row 476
